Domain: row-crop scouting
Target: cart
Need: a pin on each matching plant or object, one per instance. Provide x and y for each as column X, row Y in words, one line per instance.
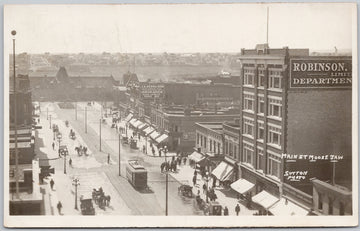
column 133, row 144
column 86, row 206
column 185, row 190
column 63, row 150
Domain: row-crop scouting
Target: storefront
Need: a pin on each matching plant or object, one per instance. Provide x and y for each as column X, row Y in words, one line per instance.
column 264, row 201
column 224, row 173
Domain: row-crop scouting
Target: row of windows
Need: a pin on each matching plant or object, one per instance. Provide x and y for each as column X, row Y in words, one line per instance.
column 213, row 145
column 274, row 107
column 275, row 79
column 274, row 133
column 273, row 161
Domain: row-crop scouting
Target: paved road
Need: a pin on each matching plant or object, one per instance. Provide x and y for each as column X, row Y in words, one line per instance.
column 149, row 202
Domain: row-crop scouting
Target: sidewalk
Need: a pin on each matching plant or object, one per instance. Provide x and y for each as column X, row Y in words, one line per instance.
column 225, row 197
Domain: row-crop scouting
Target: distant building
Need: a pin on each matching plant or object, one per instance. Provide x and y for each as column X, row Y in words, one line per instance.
column 63, row 87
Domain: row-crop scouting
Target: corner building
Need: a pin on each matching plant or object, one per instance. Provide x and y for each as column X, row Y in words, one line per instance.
column 278, row 117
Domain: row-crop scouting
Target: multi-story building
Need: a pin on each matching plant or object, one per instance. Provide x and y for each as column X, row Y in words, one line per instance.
column 179, row 123
column 25, row 196
column 296, row 104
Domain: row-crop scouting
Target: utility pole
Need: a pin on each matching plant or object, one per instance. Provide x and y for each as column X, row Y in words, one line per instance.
column 75, row 110
column 85, row 119
column 119, row 154
column 100, row 134
column 76, row 184
column 50, row 121
column 15, row 120
column 47, row 113
column 167, row 185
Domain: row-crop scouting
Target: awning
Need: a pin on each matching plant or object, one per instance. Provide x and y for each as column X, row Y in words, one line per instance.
column 242, row 186
column 161, row 138
column 154, row 135
column 265, row 199
column 283, row 208
column 132, row 121
column 149, row 130
column 142, row 126
column 223, row 171
column 128, row 117
column 196, row 157
column 137, row 123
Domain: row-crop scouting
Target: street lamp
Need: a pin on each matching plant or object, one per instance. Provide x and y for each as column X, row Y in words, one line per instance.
column 76, row 184
column 13, row 33
column 59, row 136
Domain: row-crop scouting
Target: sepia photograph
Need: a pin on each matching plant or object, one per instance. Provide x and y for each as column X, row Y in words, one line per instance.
column 165, row 115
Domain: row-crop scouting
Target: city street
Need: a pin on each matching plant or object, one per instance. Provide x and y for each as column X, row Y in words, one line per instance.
column 94, row 171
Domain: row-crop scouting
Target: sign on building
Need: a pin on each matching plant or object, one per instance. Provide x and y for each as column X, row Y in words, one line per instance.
column 320, row 73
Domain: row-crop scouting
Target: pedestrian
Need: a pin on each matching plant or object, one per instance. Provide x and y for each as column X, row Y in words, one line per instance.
column 59, row 207
column 53, row 145
column 143, row 148
column 162, row 166
column 185, row 160
column 159, row 152
column 237, row 209
column 226, row 211
column 204, row 188
column 194, row 180
column 139, row 136
column 70, row 162
column 38, row 120
column 108, row 158
column 52, row 184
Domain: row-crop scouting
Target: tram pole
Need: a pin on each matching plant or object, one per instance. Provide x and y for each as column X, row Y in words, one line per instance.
column 100, row 134
column 119, row 154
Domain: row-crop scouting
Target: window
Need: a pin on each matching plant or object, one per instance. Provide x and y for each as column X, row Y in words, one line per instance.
column 210, row 141
column 274, row 164
column 205, row 142
column 275, row 79
column 218, row 148
column 197, row 138
column 214, row 146
column 275, row 107
column 260, row 157
column 261, row 131
column 226, row 147
column 249, row 127
column 249, row 77
column 261, row 78
column 201, row 140
column 249, row 154
column 249, row 101
column 261, row 105
column 274, row 136
column 331, row 204
column 235, row 150
column 320, row 205
column 230, row 149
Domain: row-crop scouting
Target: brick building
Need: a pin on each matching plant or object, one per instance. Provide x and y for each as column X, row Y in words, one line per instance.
column 288, row 113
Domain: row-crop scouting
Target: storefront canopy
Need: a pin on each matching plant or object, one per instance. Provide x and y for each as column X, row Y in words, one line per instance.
column 128, row 117
column 149, row 130
column 132, row 121
column 196, row 157
column 287, row 208
column 138, row 123
column 142, row 126
column 265, row 199
column 162, row 138
column 223, row 171
column 154, row 135
column 242, row 186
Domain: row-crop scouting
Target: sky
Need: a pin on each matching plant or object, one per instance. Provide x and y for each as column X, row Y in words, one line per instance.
column 177, row 28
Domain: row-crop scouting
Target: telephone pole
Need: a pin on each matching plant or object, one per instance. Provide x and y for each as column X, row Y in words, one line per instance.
column 100, row 134
column 119, row 154
column 85, row 119
column 15, row 120
column 76, row 184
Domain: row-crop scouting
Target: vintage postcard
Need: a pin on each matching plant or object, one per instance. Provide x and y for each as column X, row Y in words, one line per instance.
column 165, row 115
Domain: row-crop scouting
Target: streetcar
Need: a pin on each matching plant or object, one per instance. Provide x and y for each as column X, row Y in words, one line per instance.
column 136, row 174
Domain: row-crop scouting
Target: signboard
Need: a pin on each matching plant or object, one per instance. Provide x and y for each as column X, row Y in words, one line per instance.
column 149, row 90
column 320, row 73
